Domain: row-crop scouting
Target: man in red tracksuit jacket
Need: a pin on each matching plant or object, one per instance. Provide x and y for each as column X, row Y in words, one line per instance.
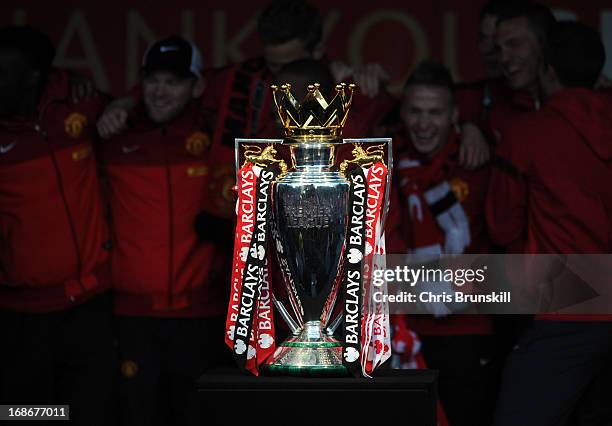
column 54, row 320
column 550, row 193
column 511, row 34
column 443, row 213
column 170, row 281
column 510, row 43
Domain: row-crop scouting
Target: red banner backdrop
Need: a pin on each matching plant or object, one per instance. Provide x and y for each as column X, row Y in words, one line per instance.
column 107, row 39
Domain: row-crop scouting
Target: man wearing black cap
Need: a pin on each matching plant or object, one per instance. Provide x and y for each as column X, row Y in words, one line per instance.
column 172, row 78
column 169, row 292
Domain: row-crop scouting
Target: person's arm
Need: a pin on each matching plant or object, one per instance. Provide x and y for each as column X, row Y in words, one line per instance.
column 474, row 150
column 371, row 79
column 506, row 205
column 113, row 120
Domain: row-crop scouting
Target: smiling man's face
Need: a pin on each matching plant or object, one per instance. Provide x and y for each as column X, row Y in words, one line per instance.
column 519, row 53
column 166, row 95
column 428, row 113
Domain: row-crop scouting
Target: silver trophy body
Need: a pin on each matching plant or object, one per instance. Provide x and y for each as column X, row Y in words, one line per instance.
column 311, row 219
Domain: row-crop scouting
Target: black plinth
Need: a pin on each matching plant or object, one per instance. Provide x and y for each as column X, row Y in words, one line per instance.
column 392, row 397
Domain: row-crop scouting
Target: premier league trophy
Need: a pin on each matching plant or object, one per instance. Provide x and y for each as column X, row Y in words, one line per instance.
column 319, row 202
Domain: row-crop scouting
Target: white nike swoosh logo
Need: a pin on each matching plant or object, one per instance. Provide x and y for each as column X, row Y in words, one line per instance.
column 7, row 148
column 129, row 148
column 168, row 48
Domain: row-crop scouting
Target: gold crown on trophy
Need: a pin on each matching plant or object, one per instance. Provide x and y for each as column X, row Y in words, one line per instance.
column 315, row 118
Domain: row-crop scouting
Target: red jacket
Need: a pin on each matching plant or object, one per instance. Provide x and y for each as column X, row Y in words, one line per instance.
column 550, row 191
column 53, row 236
column 470, row 189
column 551, row 187
column 492, row 105
column 160, row 181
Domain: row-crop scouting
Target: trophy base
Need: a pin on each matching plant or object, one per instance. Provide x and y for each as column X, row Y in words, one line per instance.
column 311, row 353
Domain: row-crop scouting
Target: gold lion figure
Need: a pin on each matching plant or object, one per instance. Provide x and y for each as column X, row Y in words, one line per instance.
column 255, row 155
column 364, row 157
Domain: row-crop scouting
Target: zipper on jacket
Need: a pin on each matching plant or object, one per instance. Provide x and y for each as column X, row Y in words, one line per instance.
column 170, row 218
column 62, row 192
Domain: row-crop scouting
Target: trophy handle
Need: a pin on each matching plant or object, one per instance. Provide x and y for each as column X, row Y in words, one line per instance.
column 333, row 326
column 293, row 326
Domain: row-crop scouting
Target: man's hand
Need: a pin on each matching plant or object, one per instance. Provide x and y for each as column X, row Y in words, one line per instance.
column 370, row 78
column 114, row 118
column 474, row 151
column 340, row 71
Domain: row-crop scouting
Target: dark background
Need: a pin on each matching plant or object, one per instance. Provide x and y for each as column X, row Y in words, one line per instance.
column 106, row 39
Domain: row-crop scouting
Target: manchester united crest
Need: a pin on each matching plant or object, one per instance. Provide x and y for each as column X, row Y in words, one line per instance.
column 197, row 143
column 75, row 124
column 129, row 369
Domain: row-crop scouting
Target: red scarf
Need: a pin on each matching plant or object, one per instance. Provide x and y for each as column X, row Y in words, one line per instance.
column 438, row 223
